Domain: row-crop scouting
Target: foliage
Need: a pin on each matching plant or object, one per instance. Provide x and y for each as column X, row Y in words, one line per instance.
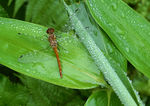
column 33, row 92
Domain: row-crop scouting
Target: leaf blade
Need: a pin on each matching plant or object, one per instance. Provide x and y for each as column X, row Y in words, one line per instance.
column 127, row 29
column 105, row 62
column 24, row 49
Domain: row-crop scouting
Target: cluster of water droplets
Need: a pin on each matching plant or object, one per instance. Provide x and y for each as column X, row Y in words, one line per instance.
column 136, row 93
column 102, row 61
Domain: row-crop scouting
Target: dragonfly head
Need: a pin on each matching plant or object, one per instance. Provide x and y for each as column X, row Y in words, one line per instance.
column 50, row 31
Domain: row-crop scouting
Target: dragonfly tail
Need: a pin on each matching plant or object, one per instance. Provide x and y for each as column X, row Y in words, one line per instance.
column 58, row 61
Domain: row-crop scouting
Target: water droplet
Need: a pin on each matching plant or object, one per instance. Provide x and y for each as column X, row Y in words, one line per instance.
column 119, row 31
column 110, row 24
column 1, row 23
column 33, row 72
column 114, row 6
column 27, row 70
column 127, row 49
column 122, row 14
column 82, row 38
column 66, row 51
column 124, row 37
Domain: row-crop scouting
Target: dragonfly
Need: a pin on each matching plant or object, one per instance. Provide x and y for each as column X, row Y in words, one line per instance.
column 53, row 44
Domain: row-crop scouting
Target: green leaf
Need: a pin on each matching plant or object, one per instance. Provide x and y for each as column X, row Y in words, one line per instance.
column 109, row 65
column 33, row 92
column 18, row 4
column 127, row 29
column 143, row 7
column 16, row 94
column 103, row 98
column 3, row 13
column 9, row 2
column 46, row 94
column 131, row 1
column 25, row 49
column 44, row 12
column 141, row 83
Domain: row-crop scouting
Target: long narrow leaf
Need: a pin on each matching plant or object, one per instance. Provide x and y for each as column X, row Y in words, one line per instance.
column 128, row 30
column 25, row 49
column 109, row 66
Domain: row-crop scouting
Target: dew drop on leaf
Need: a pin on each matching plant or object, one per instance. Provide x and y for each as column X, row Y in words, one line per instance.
column 114, row 6
column 119, row 31
column 122, row 15
column 124, row 37
column 27, row 70
column 127, row 49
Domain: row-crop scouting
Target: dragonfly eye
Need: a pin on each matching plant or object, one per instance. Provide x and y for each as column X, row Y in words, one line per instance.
column 50, row 31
